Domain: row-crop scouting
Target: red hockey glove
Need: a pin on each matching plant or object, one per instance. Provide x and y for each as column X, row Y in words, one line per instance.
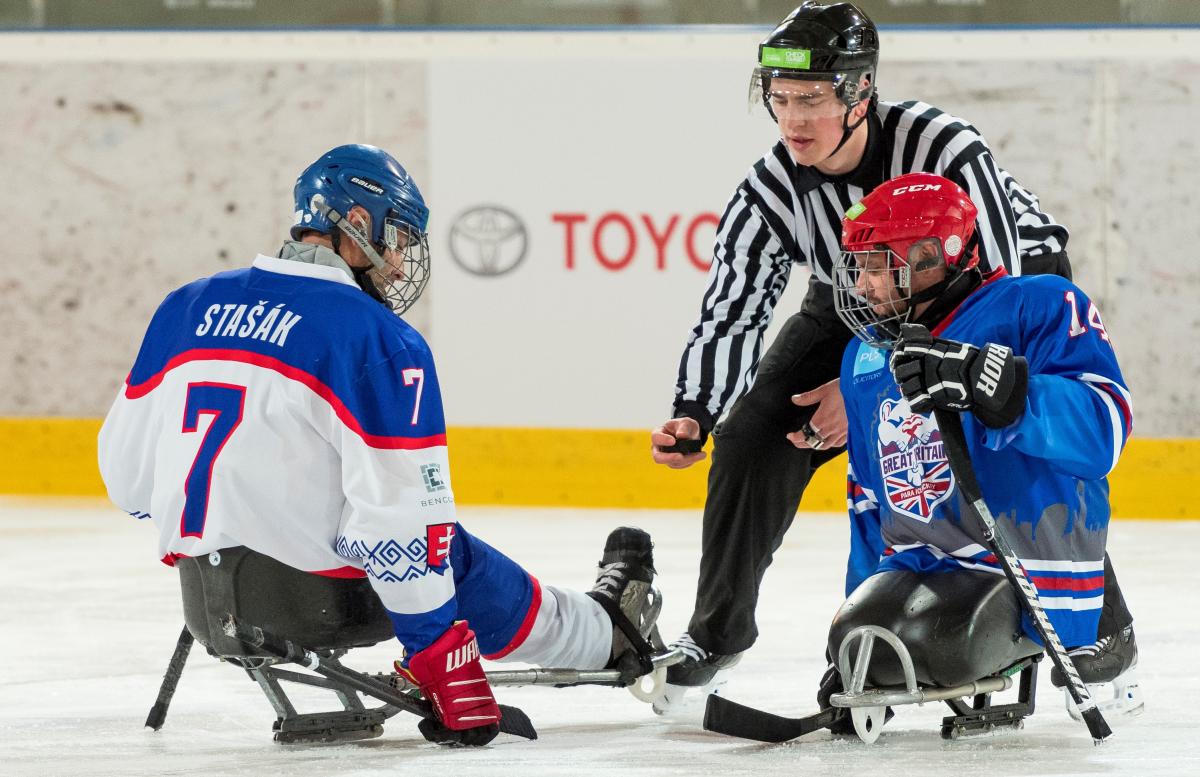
column 450, row 676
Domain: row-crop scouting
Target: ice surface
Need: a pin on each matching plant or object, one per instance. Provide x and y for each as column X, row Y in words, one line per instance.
column 88, row 620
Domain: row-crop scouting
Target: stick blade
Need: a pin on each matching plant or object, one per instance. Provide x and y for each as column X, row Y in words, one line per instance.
column 513, row 720
column 737, row 720
column 1097, row 725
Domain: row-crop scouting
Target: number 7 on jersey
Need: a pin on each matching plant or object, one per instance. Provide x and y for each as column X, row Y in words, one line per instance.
column 415, row 375
column 224, row 402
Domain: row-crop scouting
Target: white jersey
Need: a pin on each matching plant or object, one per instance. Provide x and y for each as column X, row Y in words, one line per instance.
column 281, row 408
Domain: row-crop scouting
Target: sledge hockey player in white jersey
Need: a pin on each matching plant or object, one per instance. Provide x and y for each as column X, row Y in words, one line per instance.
column 780, row 412
column 287, row 408
column 1046, row 415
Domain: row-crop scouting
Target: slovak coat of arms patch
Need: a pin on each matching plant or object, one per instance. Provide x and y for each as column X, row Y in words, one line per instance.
column 912, row 460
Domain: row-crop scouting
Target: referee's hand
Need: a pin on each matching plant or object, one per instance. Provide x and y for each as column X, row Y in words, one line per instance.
column 667, row 435
column 827, row 427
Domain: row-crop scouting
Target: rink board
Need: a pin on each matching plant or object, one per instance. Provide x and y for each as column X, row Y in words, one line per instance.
column 578, row 468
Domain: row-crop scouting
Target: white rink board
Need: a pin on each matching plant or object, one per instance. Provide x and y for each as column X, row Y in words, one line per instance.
column 174, row 154
column 619, row 172
column 90, row 620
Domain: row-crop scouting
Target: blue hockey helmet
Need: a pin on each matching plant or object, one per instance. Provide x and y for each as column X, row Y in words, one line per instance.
column 397, row 244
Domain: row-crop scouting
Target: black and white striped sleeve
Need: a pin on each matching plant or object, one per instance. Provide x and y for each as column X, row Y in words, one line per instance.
column 749, row 271
column 1037, row 232
column 975, row 170
column 928, row 139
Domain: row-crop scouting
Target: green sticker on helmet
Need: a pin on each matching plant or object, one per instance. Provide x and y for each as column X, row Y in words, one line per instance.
column 795, row 59
column 855, row 211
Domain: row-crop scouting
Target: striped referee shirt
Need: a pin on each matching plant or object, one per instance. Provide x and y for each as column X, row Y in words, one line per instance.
column 783, row 214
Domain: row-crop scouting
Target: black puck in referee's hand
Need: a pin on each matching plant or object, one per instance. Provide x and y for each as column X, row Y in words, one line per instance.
column 683, row 446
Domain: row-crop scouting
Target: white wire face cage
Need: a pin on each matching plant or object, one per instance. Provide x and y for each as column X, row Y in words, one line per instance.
column 874, row 320
column 405, row 271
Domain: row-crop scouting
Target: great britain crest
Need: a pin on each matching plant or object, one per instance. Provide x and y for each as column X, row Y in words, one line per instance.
column 912, row 460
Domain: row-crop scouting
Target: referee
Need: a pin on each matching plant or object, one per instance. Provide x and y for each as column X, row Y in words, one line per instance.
column 783, row 412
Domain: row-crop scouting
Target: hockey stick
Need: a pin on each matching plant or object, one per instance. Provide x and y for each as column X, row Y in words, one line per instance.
column 512, row 720
column 166, row 691
column 955, row 443
column 737, row 720
column 555, row 677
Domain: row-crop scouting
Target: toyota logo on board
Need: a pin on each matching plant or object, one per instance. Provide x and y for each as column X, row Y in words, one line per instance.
column 488, row 240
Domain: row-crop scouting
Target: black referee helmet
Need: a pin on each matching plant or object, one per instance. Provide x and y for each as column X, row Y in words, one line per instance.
column 821, row 42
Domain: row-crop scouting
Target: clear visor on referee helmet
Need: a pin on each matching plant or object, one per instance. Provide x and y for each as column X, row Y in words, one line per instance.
column 794, row 98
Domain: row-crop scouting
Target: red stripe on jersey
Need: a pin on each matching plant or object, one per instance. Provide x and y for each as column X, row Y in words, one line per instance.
column 1122, row 405
column 535, row 604
column 1068, row 583
column 288, row 371
column 343, row 572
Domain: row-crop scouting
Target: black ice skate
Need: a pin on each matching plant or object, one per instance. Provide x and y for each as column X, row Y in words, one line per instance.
column 624, row 588
column 700, row 666
column 1107, row 667
column 1102, row 661
column 699, row 669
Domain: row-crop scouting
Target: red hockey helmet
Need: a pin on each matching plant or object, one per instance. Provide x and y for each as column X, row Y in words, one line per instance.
column 912, row 222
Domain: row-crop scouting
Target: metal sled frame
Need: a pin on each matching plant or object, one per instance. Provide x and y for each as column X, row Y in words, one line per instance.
column 868, row 705
column 353, row 722
column 644, row 686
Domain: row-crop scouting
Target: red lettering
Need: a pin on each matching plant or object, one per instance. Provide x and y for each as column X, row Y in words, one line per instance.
column 699, row 262
column 597, row 246
column 569, row 220
column 660, row 241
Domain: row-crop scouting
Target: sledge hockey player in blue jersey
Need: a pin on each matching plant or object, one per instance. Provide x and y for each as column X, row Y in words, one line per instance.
column 287, row 408
column 1047, row 414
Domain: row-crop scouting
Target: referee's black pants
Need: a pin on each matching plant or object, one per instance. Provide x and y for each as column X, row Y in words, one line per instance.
column 757, row 476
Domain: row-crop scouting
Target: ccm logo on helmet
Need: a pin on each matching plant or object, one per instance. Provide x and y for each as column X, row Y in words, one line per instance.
column 917, row 187
column 368, row 185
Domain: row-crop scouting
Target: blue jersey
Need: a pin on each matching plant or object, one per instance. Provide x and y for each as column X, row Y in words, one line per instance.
column 1043, row 477
column 281, row 408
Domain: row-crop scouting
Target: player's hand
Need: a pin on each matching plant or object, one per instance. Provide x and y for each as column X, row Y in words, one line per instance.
column 933, row 372
column 450, row 676
column 827, row 427
column 667, row 435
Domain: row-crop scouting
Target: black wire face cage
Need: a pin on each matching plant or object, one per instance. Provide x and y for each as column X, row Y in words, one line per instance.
column 878, row 328
column 406, row 270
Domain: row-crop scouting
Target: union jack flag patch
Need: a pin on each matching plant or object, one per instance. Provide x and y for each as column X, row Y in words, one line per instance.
column 912, row 461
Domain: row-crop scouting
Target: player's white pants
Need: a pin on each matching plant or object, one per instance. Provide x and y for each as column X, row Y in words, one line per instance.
column 570, row 630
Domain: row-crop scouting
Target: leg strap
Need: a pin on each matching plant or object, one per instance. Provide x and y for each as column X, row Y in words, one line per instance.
column 642, row 649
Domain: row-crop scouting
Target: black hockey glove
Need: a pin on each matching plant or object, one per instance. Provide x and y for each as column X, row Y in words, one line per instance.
column 434, row 731
column 990, row 382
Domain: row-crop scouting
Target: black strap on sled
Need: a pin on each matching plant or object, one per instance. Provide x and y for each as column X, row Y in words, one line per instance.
column 641, row 648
